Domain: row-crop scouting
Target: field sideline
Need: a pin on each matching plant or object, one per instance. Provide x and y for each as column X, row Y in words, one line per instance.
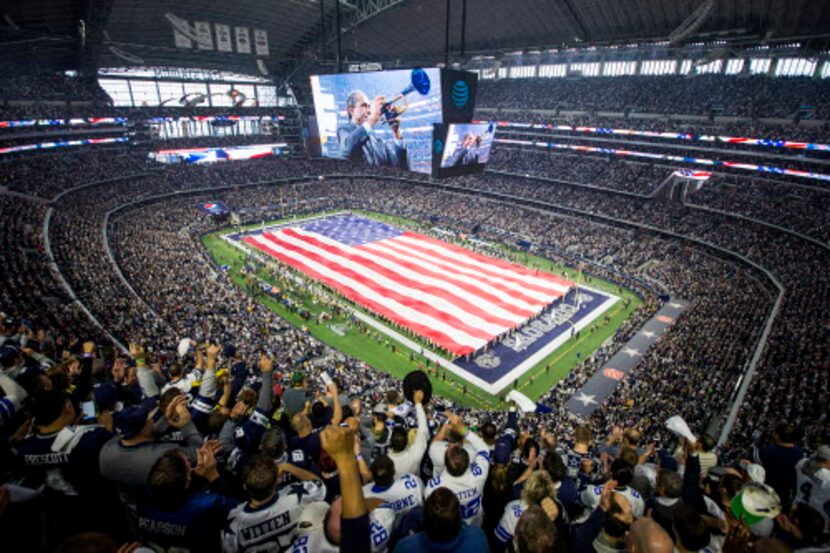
column 375, row 349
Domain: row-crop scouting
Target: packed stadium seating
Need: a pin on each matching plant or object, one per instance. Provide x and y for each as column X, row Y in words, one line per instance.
column 153, row 397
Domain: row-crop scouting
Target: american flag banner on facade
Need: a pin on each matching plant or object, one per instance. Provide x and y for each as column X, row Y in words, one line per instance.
column 458, row 299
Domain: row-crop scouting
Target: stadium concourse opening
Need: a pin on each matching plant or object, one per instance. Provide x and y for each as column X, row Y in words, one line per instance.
column 496, row 318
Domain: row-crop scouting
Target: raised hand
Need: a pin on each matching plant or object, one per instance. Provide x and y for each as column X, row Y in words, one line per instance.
column 137, row 351
column 338, row 441
column 266, row 364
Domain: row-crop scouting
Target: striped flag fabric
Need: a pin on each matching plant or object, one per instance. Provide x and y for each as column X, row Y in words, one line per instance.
column 457, row 299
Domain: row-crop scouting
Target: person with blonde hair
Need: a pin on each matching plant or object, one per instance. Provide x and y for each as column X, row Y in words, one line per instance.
column 540, row 490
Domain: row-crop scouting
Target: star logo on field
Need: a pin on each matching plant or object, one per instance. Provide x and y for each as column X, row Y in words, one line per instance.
column 631, row 352
column 675, row 305
column 585, row 399
column 648, row 334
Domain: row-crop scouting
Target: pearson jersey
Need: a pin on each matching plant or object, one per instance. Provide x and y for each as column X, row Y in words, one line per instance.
column 405, row 493
column 270, row 528
column 813, row 488
column 381, row 524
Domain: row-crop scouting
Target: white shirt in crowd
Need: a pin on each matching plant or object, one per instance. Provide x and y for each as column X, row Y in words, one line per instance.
column 270, row 528
column 469, row 486
column 409, row 460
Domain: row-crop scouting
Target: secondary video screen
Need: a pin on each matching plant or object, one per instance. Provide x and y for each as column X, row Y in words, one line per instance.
column 381, row 118
column 468, row 144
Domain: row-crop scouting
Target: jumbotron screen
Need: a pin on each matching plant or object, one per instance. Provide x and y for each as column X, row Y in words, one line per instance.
column 461, row 148
column 467, row 144
column 357, row 119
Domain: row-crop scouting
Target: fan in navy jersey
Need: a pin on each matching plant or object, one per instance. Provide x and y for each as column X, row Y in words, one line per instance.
column 242, row 434
column 176, row 514
column 63, row 458
column 581, row 459
column 267, row 522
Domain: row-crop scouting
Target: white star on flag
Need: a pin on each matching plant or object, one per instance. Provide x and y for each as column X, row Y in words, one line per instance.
column 631, row 352
column 585, row 399
column 648, row 334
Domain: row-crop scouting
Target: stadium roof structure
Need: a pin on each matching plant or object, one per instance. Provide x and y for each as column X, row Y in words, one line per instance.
column 164, row 33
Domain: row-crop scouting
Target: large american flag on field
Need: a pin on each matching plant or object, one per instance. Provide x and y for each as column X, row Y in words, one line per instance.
column 457, row 299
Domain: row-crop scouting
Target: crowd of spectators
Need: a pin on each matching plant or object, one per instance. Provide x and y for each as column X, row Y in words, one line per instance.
column 753, row 97
column 803, row 131
column 51, row 86
column 235, row 441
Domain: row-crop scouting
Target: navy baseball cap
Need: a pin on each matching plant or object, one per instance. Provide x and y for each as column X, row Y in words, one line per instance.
column 106, row 395
column 502, row 453
column 130, row 420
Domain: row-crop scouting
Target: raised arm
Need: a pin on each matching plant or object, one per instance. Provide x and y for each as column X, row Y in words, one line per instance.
column 266, row 391
column 145, row 376
column 338, row 442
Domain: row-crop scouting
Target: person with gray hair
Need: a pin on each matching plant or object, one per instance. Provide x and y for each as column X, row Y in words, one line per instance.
column 359, row 140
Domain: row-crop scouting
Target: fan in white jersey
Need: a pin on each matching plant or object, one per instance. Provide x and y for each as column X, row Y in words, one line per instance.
column 538, row 487
column 623, row 474
column 400, row 493
column 443, row 439
column 267, row 523
column 464, row 478
column 813, row 482
column 407, row 458
column 319, row 528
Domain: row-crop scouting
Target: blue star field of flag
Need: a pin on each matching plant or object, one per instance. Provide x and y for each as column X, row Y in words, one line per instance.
column 352, row 230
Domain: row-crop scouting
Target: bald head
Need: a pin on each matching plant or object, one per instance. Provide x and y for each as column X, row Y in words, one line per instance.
column 646, row 536
column 300, row 424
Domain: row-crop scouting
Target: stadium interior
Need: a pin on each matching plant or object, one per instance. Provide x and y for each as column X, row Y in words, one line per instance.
column 379, row 276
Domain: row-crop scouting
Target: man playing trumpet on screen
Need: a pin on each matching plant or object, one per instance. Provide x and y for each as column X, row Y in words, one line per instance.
column 358, row 139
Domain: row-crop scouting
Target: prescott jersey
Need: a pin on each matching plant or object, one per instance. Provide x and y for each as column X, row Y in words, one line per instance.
column 506, row 527
column 813, row 487
column 405, row 493
column 270, row 528
column 591, row 497
column 381, row 525
column 469, row 486
column 65, row 461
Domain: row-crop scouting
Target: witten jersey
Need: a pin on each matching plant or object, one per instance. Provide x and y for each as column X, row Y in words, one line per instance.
column 467, row 488
column 405, row 493
column 507, row 525
column 813, row 488
column 591, row 497
column 381, row 524
column 271, row 527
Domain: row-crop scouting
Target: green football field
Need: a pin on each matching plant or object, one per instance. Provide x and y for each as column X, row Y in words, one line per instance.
column 383, row 353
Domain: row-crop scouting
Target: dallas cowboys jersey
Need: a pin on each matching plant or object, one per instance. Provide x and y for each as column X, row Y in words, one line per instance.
column 402, row 496
column 270, row 528
column 591, row 497
column 573, row 462
column 381, row 524
column 66, row 461
column 469, row 486
column 813, row 487
column 507, row 525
